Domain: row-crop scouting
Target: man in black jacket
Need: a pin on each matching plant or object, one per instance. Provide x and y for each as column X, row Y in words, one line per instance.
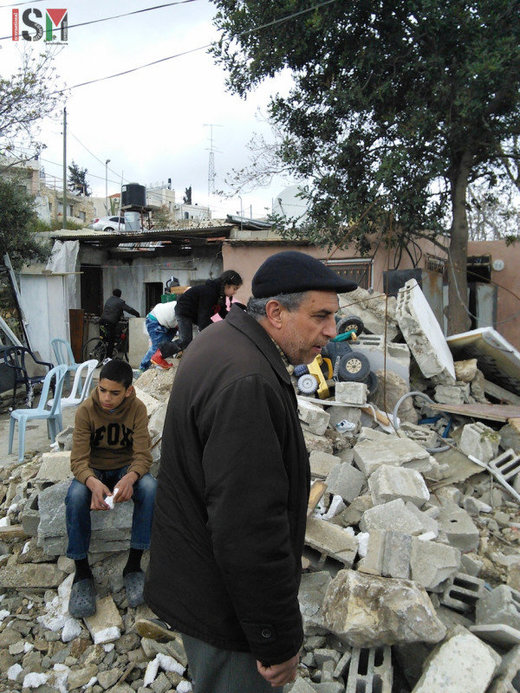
column 230, row 514
column 111, row 315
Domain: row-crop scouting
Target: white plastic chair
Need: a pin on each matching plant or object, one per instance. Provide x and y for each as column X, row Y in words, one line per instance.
column 79, row 391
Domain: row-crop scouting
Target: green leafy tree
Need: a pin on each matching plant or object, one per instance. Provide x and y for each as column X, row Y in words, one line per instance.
column 18, row 221
column 395, row 109
column 78, row 180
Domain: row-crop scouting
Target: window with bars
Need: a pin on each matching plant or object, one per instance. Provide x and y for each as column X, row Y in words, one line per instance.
column 359, row 271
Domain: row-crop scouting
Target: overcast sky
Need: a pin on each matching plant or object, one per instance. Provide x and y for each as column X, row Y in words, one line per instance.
column 151, row 123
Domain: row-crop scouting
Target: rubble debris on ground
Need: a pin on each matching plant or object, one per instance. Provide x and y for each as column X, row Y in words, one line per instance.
column 412, row 570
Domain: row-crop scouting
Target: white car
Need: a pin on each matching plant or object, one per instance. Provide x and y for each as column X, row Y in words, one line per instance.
column 108, row 224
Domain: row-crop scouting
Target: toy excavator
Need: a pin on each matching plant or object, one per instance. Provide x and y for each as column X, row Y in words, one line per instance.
column 338, row 362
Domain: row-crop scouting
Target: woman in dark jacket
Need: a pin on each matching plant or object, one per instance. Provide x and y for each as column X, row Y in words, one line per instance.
column 197, row 305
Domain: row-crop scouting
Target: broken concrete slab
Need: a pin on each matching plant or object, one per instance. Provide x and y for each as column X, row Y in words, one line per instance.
column 313, row 587
column 459, row 528
column 370, row 611
column 393, row 515
column 463, row 663
column 313, row 416
column 394, row 451
column 322, row 463
column 55, row 466
column 346, row 481
column 423, row 334
column 110, row 530
column 432, row 563
column 331, row 540
column 498, row 633
column 500, row 605
column 388, row 483
column 376, row 310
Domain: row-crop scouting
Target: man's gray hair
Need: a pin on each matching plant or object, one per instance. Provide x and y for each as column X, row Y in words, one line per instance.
column 256, row 306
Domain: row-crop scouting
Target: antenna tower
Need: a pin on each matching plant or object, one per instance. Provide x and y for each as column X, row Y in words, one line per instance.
column 211, row 163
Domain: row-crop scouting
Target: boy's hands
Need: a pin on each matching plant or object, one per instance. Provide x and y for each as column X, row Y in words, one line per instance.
column 99, row 491
column 125, row 489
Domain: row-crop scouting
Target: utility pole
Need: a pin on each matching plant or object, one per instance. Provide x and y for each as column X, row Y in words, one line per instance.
column 106, row 187
column 65, row 168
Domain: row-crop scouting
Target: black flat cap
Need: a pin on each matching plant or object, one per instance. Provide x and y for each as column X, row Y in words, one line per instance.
column 291, row 272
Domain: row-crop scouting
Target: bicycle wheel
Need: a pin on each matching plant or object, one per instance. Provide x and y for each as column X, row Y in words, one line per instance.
column 95, row 348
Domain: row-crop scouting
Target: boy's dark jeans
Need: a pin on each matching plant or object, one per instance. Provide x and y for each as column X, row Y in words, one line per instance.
column 77, row 505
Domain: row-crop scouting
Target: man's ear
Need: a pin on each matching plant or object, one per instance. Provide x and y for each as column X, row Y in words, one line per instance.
column 129, row 391
column 273, row 311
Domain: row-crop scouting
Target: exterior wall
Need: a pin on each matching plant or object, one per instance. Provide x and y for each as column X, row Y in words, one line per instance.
column 506, row 280
column 183, row 212
column 82, row 207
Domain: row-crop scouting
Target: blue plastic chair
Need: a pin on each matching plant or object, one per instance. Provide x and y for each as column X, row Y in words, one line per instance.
column 52, row 415
column 63, row 354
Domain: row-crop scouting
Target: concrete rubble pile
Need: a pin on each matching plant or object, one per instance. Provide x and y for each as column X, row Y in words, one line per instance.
column 411, row 579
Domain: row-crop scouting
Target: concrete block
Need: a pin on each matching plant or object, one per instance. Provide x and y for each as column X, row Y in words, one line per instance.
column 508, row 674
column 331, row 540
column 376, row 310
column 396, row 555
column 480, row 441
column 106, row 624
column 314, row 416
column 500, row 605
column 346, row 481
column 508, row 466
column 426, row 518
column 322, row 655
column 372, row 563
column 423, row 333
column 452, row 394
column 55, row 466
column 471, row 564
column 322, row 463
column 463, row 592
column 420, row 434
column 370, row 670
column 391, row 388
column 342, row 665
column 388, row 483
column 432, row 563
column 31, row 515
column 337, row 414
column 394, row 451
column 463, row 663
column 351, row 393
column 459, row 528
column 391, row 516
column 301, row 686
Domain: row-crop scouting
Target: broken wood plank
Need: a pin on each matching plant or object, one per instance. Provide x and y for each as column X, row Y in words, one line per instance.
column 13, row 532
column 491, row 412
column 318, row 488
column 500, row 393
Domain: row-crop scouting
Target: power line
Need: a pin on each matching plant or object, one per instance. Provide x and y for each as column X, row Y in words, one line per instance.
column 275, row 22
column 116, row 16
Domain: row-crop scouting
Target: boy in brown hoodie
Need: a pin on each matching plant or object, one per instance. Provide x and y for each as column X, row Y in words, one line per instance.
column 110, row 460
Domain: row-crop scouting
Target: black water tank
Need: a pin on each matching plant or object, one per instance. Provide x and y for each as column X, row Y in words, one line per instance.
column 133, row 195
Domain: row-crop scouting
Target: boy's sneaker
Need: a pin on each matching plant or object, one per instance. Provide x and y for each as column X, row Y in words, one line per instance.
column 155, row 629
column 159, row 361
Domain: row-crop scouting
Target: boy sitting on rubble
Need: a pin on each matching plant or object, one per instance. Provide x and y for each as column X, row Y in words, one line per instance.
column 110, row 460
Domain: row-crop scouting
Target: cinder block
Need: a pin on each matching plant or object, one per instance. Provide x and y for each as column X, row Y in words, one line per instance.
column 314, row 416
column 322, row 463
column 31, row 515
column 391, row 516
column 480, row 441
column 370, row 670
column 372, row 563
column 463, row 592
column 388, row 483
column 331, row 540
column 500, row 605
column 507, row 466
column 351, row 393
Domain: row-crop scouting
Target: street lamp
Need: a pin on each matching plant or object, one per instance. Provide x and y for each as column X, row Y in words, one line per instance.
column 106, row 185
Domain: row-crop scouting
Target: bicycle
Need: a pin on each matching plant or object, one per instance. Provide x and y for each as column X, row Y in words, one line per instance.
column 96, row 347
